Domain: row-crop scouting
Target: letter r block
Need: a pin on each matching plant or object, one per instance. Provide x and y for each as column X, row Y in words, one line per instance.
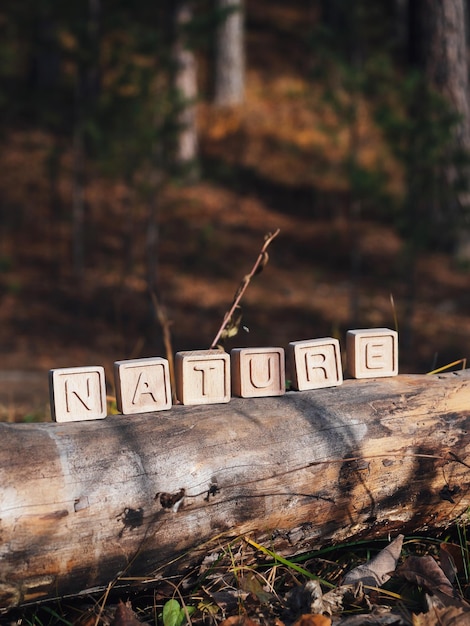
column 142, row 385
column 258, row 372
column 77, row 393
column 315, row 363
column 202, row 376
column 372, row 352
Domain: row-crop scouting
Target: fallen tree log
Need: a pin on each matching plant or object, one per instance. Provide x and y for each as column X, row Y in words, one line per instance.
column 83, row 503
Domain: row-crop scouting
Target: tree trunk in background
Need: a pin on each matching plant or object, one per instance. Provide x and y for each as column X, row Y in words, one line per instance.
column 86, row 94
column 229, row 88
column 78, row 191
column 45, row 68
column 185, row 82
column 438, row 44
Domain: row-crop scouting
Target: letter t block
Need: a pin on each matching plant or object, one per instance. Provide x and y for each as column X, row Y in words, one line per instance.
column 315, row 363
column 372, row 352
column 202, row 377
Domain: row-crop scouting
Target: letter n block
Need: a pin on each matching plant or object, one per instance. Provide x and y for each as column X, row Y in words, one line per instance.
column 315, row 363
column 77, row 393
column 258, row 372
column 202, row 376
column 372, row 352
column 142, row 385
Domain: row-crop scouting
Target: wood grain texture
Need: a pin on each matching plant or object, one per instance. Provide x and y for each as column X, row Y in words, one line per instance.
column 78, row 505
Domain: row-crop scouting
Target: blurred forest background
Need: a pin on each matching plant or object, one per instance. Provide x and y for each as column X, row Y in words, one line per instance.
column 148, row 147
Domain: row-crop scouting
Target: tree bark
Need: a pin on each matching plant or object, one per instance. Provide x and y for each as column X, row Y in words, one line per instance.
column 438, row 44
column 185, row 83
column 229, row 88
column 86, row 503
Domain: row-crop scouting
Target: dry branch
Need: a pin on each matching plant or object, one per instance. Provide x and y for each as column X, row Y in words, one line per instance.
column 78, row 505
column 242, row 287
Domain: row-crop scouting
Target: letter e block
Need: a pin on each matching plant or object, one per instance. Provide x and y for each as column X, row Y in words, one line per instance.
column 372, row 352
column 315, row 363
column 77, row 393
column 202, row 376
column 258, row 372
column 142, row 385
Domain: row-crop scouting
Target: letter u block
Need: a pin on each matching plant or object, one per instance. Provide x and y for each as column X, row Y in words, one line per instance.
column 77, row 393
column 142, row 385
column 202, row 376
column 258, row 372
column 372, row 352
column 315, row 363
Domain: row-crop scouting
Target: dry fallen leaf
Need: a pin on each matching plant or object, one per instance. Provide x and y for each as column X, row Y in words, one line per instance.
column 450, row 555
column 379, row 616
column 251, row 584
column 125, row 616
column 423, row 571
column 346, row 596
column 378, row 570
column 238, row 620
column 313, row 620
column 446, row 616
column 228, row 600
column 309, row 597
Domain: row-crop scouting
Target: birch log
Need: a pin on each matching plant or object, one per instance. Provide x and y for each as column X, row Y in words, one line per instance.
column 84, row 503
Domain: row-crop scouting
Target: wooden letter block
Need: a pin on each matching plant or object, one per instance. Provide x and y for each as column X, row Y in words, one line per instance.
column 258, row 372
column 142, row 385
column 315, row 363
column 372, row 352
column 202, row 376
column 77, row 393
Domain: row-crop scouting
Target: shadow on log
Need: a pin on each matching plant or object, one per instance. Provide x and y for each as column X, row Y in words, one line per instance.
column 84, row 503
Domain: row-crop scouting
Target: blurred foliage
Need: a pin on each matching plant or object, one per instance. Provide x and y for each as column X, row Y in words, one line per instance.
column 366, row 62
column 104, row 73
column 418, row 125
column 106, row 68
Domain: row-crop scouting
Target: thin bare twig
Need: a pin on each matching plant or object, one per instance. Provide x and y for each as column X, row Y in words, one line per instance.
column 259, row 264
column 165, row 324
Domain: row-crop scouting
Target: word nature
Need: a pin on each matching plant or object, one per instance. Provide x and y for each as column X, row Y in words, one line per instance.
column 213, row 376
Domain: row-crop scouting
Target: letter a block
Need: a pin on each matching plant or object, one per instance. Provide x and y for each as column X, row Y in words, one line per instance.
column 142, row 385
column 258, row 372
column 202, row 376
column 315, row 363
column 77, row 393
column 372, row 352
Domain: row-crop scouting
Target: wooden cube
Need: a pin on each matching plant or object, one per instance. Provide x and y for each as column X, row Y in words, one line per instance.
column 315, row 363
column 142, row 385
column 372, row 352
column 202, row 376
column 258, row 372
column 77, row 393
